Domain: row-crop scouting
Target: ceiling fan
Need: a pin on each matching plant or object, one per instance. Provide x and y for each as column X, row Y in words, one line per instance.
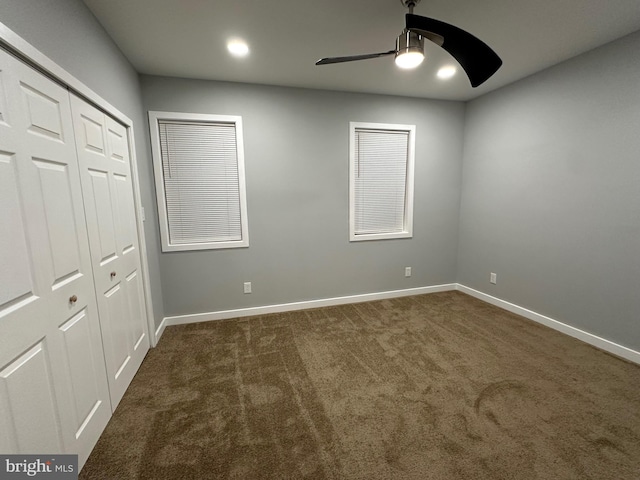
column 474, row 56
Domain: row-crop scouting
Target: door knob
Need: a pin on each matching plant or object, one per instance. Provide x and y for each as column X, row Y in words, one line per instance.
column 113, row 274
column 73, row 299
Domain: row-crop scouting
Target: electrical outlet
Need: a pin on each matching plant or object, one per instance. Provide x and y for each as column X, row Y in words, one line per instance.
column 247, row 287
column 407, row 271
column 493, row 278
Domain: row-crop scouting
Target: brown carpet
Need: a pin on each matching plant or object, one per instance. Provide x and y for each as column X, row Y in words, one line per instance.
column 439, row 386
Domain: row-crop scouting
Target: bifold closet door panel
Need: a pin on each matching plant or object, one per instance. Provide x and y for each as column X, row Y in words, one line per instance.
column 53, row 386
column 103, row 153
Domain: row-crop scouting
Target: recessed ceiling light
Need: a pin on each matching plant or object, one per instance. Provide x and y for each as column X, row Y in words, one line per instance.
column 447, row 72
column 238, row 48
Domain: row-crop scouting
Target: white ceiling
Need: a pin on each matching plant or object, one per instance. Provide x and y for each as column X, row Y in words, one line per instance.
column 187, row 38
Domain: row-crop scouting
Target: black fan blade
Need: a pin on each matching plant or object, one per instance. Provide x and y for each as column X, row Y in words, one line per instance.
column 329, row 60
column 476, row 57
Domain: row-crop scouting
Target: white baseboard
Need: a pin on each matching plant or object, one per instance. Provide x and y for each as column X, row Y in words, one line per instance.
column 287, row 307
column 599, row 342
column 160, row 329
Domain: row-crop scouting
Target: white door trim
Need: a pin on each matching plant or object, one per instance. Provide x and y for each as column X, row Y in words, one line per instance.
column 13, row 42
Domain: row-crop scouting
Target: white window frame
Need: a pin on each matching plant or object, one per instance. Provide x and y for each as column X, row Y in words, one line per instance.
column 407, row 231
column 154, row 118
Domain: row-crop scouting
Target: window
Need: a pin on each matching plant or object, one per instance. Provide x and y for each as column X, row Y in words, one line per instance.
column 381, row 162
column 199, row 170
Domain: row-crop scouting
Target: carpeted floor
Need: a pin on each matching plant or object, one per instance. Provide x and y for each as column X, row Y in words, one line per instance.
column 438, row 386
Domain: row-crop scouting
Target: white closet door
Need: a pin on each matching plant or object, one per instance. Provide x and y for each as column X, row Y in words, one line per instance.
column 53, row 387
column 103, row 152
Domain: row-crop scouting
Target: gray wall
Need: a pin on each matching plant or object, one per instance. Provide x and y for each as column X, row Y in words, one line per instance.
column 68, row 33
column 551, row 193
column 296, row 159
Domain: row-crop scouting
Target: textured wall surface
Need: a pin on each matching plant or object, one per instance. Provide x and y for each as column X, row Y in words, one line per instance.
column 551, row 193
column 296, row 159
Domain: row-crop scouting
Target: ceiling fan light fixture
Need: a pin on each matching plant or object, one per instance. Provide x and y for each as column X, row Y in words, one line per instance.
column 475, row 57
column 408, row 60
column 409, row 50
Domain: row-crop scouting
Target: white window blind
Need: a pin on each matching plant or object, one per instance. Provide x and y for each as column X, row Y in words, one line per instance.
column 202, row 174
column 381, row 181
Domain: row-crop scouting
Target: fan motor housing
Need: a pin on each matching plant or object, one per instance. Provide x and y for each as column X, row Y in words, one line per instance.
column 409, row 41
